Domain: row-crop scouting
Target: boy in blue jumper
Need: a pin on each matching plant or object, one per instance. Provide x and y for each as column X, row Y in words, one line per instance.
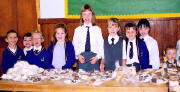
column 38, row 55
column 12, row 53
column 136, row 50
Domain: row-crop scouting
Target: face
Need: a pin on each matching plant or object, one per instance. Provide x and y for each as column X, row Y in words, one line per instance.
column 113, row 28
column 60, row 34
column 87, row 16
column 143, row 30
column 171, row 55
column 131, row 33
column 12, row 39
column 27, row 42
column 37, row 39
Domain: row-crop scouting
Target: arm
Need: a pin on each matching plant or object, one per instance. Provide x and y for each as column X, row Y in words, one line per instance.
column 102, row 65
column 70, row 55
column 76, row 44
column 124, row 53
column 4, row 63
column 155, row 56
column 99, row 47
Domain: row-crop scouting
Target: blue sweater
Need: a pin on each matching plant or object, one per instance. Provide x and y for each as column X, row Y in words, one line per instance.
column 143, row 53
column 69, row 53
column 41, row 59
column 9, row 59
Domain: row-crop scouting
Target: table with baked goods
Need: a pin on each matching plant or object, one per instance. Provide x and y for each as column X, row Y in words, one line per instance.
column 109, row 86
column 25, row 77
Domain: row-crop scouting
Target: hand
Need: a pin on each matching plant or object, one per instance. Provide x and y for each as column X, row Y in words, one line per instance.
column 102, row 67
column 81, row 58
column 94, row 60
column 123, row 62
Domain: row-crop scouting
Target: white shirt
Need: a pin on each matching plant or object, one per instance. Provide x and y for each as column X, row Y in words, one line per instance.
column 59, row 55
column 96, row 40
column 152, row 47
column 116, row 39
column 135, row 54
column 12, row 50
column 178, row 50
column 37, row 48
column 27, row 49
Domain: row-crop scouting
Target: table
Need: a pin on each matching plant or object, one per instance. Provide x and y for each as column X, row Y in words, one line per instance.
column 58, row 86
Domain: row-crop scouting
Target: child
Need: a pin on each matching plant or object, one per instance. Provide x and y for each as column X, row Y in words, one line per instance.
column 136, row 50
column 151, row 43
column 12, row 53
column 113, row 46
column 61, row 50
column 171, row 56
column 88, row 41
column 38, row 55
column 27, row 42
column 178, row 50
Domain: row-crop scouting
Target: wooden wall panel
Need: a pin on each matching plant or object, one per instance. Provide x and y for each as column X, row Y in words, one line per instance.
column 27, row 16
column 8, row 16
column 164, row 30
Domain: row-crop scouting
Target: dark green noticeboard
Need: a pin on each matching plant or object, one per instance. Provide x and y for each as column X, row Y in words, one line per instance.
column 125, row 8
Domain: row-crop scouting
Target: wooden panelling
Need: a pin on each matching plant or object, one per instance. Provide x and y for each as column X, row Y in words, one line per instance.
column 164, row 30
column 8, row 16
column 27, row 16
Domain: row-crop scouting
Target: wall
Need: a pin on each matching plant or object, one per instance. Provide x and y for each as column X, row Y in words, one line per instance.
column 52, row 9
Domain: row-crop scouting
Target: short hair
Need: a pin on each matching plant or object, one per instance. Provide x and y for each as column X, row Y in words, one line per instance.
column 143, row 22
column 170, row 48
column 129, row 25
column 27, row 35
column 11, row 31
column 84, row 8
column 36, row 31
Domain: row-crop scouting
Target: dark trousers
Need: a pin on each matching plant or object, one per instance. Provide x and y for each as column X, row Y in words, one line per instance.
column 137, row 65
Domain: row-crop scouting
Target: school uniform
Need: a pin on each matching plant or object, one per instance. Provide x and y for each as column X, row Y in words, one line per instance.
column 138, row 56
column 10, row 57
column 27, row 49
column 39, row 56
column 167, row 64
column 62, row 55
column 178, row 50
column 152, row 46
column 113, row 53
column 95, row 42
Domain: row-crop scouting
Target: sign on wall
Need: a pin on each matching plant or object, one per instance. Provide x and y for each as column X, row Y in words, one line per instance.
column 125, row 8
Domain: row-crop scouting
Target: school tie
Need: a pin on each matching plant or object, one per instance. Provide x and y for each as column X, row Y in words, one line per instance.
column 142, row 39
column 131, row 51
column 36, row 51
column 112, row 41
column 87, row 46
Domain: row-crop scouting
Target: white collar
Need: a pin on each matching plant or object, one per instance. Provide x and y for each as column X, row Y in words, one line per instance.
column 89, row 25
column 37, row 48
column 133, row 41
column 116, row 39
column 13, row 50
column 27, row 49
column 145, row 37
